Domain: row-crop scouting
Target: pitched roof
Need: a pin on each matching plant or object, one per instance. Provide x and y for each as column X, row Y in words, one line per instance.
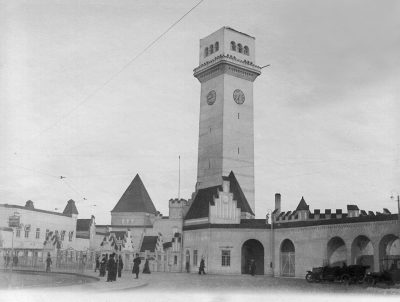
column 303, row 206
column 83, row 224
column 70, row 208
column 205, row 197
column 135, row 199
column 149, row 243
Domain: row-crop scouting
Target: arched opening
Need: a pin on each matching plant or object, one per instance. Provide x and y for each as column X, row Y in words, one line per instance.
column 211, row 49
column 216, row 46
column 252, row 251
column 389, row 252
column 240, row 48
column 246, row 50
column 287, row 257
column 336, row 252
column 233, row 46
column 362, row 252
column 206, row 52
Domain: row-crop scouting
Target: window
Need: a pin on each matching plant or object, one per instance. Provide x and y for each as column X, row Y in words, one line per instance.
column 195, row 257
column 70, row 234
column 211, row 49
column 246, row 50
column 37, row 233
column 18, row 234
column 238, row 115
column 226, row 258
column 233, row 46
column 240, row 48
column 206, row 52
column 175, row 260
column 238, row 150
column 47, row 234
column 26, row 233
column 62, row 235
column 216, row 46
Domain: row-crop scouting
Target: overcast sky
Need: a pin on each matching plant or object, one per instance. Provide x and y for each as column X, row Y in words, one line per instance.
column 326, row 112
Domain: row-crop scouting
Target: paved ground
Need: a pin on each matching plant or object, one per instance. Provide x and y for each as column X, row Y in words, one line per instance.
column 179, row 286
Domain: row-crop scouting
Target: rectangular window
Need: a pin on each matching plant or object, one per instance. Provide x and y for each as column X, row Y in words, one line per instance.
column 70, row 234
column 26, row 234
column 37, row 233
column 18, row 234
column 175, row 260
column 195, row 257
column 47, row 234
column 62, row 235
column 226, row 258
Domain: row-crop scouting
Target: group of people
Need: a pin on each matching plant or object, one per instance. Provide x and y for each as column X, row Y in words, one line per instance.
column 7, row 260
column 114, row 266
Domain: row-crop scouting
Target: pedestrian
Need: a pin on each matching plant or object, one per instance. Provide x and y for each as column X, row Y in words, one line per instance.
column 48, row 263
column 15, row 260
column 7, row 260
column 187, row 267
column 136, row 263
column 110, row 268
column 253, row 267
column 202, row 266
column 103, row 264
column 146, row 269
column 120, row 266
column 97, row 267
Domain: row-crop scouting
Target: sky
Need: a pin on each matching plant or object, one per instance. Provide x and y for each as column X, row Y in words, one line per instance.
column 74, row 101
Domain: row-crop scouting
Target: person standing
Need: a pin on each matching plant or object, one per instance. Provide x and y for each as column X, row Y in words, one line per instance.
column 202, row 266
column 97, row 267
column 253, row 267
column 111, row 268
column 48, row 263
column 146, row 269
column 103, row 266
column 120, row 266
column 136, row 263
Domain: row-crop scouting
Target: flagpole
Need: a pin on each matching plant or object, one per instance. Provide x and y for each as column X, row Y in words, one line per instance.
column 179, row 178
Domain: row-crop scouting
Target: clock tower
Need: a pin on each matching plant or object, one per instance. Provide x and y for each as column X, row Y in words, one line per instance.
column 226, row 72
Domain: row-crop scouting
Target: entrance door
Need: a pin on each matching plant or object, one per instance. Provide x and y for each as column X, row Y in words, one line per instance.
column 252, row 250
column 287, row 255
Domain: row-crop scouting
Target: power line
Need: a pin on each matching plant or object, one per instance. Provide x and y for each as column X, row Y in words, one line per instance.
column 112, row 77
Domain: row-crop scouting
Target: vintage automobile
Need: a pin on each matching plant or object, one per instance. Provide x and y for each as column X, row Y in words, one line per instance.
column 390, row 273
column 346, row 274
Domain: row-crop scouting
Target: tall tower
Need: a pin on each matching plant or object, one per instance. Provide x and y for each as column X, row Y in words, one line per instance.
column 226, row 72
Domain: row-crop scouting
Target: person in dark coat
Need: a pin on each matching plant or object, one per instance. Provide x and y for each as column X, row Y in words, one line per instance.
column 252, row 267
column 48, row 263
column 111, row 268
column 120, row 266
column 97, row 267
column 202, row 266
column 146, row 269
column 136, row 263
column 103, row 264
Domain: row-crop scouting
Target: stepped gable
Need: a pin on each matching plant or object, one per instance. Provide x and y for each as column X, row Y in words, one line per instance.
column 135, row 199
column 149, row 243
column 205, row 197
column 70, row 208
column 303, row 206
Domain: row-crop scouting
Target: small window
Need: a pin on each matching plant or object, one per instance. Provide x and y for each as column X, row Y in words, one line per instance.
column 240, row 48
column 226, row 258
column 195, row 257
column 175, row 260
column 26, row 234
column 37, row 233
column 233, row 46
column 238, row 115
column 216, row 46
column 62, row 235
column 47, row 234
column 18, row 234
column 238, row 150
column 246, row 50
column 206, row 52
column 211, row 49
column 70, row 235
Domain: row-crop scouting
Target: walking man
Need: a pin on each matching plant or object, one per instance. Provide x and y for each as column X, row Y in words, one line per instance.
column 202, row 266
column 136, row 263
column 111, row 268
column 120, row 266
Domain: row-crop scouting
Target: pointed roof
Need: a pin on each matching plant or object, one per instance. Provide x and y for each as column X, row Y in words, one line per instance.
column 205, row 197
column 149, row 243
column 135, row 199
column 70, row 208
column 303, row 206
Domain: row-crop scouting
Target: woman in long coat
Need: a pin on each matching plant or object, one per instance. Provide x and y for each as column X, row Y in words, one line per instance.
column 103, row 265
column 136, row 263
column 111, row 267
column 120, row 266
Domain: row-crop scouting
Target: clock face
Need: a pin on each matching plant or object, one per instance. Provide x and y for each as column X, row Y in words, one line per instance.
column 211, row 96
column 238, row 96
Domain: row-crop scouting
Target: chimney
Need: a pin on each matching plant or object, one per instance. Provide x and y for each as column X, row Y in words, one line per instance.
column 278, row 203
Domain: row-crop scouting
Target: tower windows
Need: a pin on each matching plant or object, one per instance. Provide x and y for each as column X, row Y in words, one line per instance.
column 246, row 50
column 238, row 115
column 233, row 46
column 211, row 49
column 240, row 48
column 238, row 150
column 206, row 52
column 216, row 46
